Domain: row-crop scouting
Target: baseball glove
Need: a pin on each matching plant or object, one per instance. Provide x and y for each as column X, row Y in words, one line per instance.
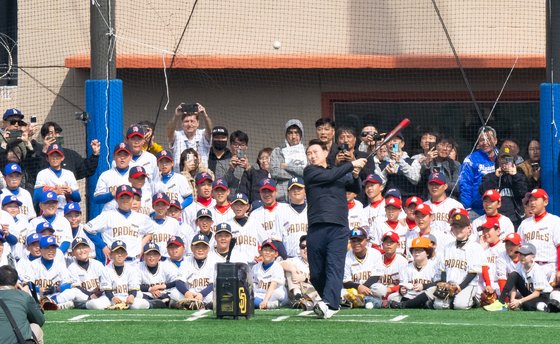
column 487, row 298
column 305, row 303
column 118, row 306
column 445, row 290
column 47, row 305
column 191, row 304
column 353, row 298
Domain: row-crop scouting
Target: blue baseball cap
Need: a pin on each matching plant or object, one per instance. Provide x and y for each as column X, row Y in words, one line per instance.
column 12, row 112
column 203, row 213
column 43, row 226
column 72, row 206
column 122, row 147
column 240, row 197
column 79, row 241
column 137, row 192
column 358, row 233
column 164, row 155
column 201, row 177
column 267, row 183
column 220, row 183
column 296, row 181
column 12, row 168
column 393, row 193
column 32, row 238
column 223, row 227
column 175, row 203
column 135, row 130
column 137, row 171
column 200, row 238
column 10, row 199
column 47, row 241
column 48, row 196
column 55, row 148
column 124, row 190
column 118, row 244
column 151, row 246
column 160, row 197
column 176, row 240
column 373, row 178
column 437, row 178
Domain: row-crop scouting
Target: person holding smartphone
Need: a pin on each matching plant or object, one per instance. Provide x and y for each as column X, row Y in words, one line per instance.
column 531, row 167
column 511, row 184
column 400, row 171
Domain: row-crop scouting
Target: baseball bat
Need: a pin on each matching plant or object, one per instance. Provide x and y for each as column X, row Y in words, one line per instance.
column 403, row 124
column 231, row 245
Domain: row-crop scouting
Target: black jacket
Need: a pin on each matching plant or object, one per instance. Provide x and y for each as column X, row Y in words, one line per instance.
column 73, row 161
column 512, row 189
column 249, row 184
column 326, row 193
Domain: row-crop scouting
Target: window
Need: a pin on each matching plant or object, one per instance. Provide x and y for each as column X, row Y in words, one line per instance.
column 8, row 43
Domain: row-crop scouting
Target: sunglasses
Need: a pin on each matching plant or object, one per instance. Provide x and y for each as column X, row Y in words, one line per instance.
column 17, row 121
column 302, row 246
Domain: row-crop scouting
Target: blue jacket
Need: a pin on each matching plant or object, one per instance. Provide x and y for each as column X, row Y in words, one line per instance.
column 474, row 167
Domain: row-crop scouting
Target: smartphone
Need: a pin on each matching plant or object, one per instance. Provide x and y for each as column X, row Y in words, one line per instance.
column 436, row 169
column 33, row 119
column 535, row 166
column 241, row 154
column 189, row 108
column 15, row 134
column 60, row 140
column 431, row 146
column 395, row 148
column 508, row 160
column 344, row 147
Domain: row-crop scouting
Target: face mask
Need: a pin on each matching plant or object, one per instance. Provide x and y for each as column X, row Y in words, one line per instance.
column 219, row 145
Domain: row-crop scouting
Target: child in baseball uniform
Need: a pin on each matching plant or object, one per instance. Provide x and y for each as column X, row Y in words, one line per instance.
column 297, row 275
column 73, row 213
column 105, row 190
column 491, row 202
column 175, row 185
column 13, row 177
column 293, row 218
column 508, row 261
column 393, row 262
column 15, row 234
column 137, row 177
column 49, row 209
column 268, row 279
column 201, row 271
column 120, row 282
column 373, row 188
column 203, row 184
column 243, row 228
column 393, row 209
column 494, row 248
column 357, row 217
column 439, row 202
column 165, row 227
column 222, row 210
column 529, row 282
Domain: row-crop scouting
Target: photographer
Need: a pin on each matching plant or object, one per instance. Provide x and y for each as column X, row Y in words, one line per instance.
column 511, row 184
column 531, row 167
column 26, row 314
column 401, row 171
column 369, row 139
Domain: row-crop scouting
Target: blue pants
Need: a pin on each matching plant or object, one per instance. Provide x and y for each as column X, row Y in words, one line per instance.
column 327, row 244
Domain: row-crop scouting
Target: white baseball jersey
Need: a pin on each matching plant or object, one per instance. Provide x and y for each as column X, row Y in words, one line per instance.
column 21, row 231
column 357, row 216
column 6, row 255
column 535, row 278
column 146, row 200
column 236, row 256
column 48, row 177
column 442, row 240
column 412, row 275
column 441, row 214
column 120, row 285
column 505, row 265
column 189, row 213
column 268, row 224
column 165, row 273
column 108, row 182
column 113, row 225
column 544, row 234
column 263, row 278
column 506, row 226
column 220, row 217
column 26, row 207
column 43, row 277
column 197, row 277
column 391, row 269
column 149, row 162
column 247, row 244
column 61, row 226
column 359, row 270
column 458, row 262
column 163, row 230
column 293, row 226
column 89, row 278
column 382, row 227
column 374, row 211
column 492, row 254
column 177, row 187
column 181, row 267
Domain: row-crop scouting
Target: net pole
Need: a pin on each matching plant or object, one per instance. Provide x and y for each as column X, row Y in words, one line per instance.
column 549, row 107
column 103, row 92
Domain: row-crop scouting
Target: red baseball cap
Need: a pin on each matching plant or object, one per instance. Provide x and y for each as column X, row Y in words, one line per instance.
column 423, row 209
column 395, row 202
column 489, row 223
column 539, row 193
column 514, row 238
column 494, row 195
column 413, row 200
column 394, row 236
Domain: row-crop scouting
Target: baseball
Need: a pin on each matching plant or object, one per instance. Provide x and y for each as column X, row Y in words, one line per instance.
column 276, row 44
column 369, row 305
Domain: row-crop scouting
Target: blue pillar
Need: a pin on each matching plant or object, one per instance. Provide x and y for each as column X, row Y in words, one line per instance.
column 102, row 96
column 550, row 96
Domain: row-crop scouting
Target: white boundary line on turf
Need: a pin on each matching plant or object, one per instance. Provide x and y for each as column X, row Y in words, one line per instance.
column 198, row 315
column 79, row 317
column 281, row 318
column 305, row 313
column 445, row 323
column 399, row 318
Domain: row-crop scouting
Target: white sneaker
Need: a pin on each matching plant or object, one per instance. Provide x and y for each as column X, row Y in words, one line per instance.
column 66, row 305
column 321, row 309
column 329, row 313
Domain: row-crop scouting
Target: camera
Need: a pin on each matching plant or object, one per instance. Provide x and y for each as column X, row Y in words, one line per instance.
column 508, row 160
column 15, row 135
column 375, row 135
column 189, row 108
column 343, row 147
